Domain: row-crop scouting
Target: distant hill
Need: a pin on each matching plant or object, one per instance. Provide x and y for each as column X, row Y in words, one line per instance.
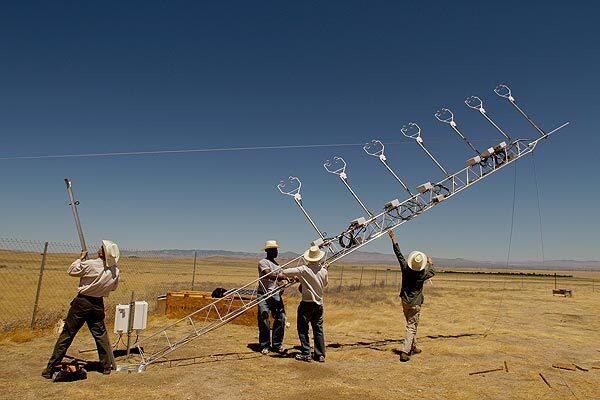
column 371, row 258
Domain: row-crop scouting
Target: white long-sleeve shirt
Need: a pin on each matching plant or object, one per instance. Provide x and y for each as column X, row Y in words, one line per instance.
column 313, row 279
column 94, row 279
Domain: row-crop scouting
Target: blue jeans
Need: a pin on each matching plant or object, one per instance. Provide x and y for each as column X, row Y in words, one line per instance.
column 273, row 306
column 311, row 313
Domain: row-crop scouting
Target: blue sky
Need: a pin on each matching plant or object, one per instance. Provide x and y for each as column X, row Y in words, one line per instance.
column 128, row 76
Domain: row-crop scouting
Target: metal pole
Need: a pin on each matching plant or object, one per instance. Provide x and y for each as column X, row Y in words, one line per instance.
column 527, row 117
column 194, row 273
column 503, row 90
column 476, row 103
column 386, row 271
column 39, row 285
column 376, row 148
column 446, row 116
column 310, row 220
column 355, row 196
column 495, row 126
column 459, row 133
column 341, row 277
column 362, row 269
column 130, row 322
column 295, row 193
column 73, row 203
column 555, row 281
column 420, row 142
column 397, row 177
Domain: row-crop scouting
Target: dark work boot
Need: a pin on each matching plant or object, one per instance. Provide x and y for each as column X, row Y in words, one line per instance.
column 47, row 373
column 404, row 357
column 415, row 350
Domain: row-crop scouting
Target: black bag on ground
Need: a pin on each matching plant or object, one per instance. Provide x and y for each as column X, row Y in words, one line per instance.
column 69, row 372
column 218, row 293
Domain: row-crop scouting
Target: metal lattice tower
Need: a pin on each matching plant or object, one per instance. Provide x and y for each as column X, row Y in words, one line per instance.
column 361, row 231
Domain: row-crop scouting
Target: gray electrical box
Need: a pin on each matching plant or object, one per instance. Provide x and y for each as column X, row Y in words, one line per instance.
column 425, row 187
column 358, row 222
column 391, row 205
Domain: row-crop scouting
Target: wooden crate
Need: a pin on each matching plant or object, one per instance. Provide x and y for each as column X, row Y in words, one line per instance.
column 180, row 304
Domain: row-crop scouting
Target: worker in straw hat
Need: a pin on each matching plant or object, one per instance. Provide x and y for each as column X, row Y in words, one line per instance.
column 97, row 278
column 415, row 272
column 313, row 278
column 269, row 273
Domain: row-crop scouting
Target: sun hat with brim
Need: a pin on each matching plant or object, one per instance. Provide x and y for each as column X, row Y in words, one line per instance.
column 271, row 244
column 111, row 252
column 314, row 254
column 417, row 260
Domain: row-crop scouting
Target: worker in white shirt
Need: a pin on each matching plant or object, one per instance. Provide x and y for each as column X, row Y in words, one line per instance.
column 313, row 278
column 97, row 278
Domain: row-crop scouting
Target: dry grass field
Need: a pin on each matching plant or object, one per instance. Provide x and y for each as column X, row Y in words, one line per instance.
column 469, row 323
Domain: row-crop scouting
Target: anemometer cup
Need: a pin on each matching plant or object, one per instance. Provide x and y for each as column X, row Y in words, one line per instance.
column 445, row 115
column 371, row 149
column 411, row 131
column 503, row 90
column 475, row 103
column 295, row 192
column 337, row 167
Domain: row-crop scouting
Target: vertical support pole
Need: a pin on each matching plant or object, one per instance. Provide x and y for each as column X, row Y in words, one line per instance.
column 130, row 322
column 39, row 285
column 385, row 280
column 555, row 281
column 194, row 273
column 74, row 203
column 362, row 269
column 341, row 278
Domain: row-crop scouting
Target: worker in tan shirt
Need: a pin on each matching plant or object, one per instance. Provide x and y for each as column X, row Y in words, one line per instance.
column 97, row 278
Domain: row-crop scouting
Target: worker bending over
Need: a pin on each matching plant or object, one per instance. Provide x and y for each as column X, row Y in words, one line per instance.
column 415, row 272
column 97, row 278
column 269, row 272
column 313, row 278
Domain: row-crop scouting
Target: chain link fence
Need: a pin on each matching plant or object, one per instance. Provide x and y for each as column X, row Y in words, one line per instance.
column 36, row 291
column 36, row 295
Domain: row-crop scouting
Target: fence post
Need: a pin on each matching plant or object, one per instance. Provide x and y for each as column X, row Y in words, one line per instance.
column 386, row 271
column 194, row 273
column 39, row 285
column 341, row 278
column 130, row 323
column 362, row 269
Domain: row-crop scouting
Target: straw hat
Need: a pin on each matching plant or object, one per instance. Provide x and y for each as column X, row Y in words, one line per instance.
column 417, row 260
column 314, row 254
column 271, row 244
column 111, row 252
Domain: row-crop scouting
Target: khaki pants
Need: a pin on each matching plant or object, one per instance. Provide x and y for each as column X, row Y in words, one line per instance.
column 411, row 313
